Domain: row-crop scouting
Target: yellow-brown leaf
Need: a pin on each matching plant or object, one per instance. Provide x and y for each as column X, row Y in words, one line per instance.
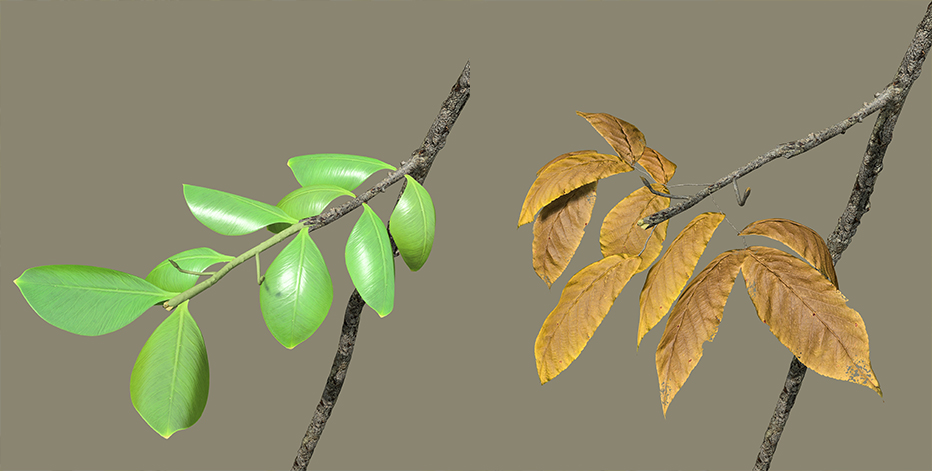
column 657, row 165
column 668, row 276
column 808, row 314
column 565, row 174
column 558, row 230
column 620, row 233
column 627, row 140
column 585, row 301
column 693, row 321
column 803, row 240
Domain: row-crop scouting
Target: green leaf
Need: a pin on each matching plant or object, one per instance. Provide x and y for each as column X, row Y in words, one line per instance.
column 370, row 263
column 230, row 214
column 297, row 292
column 412, row 224
column 171, row 376
column 88, row 300
column 310, row 200
column 167, row 277
column 343, row 170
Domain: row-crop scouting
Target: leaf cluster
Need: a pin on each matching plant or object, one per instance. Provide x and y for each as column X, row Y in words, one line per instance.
column 797, row 298
column 170, row 380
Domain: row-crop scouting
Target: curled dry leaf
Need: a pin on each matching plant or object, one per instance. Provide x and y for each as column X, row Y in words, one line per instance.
column 668, row 276
column 803, row 240
column 693, row 321
column 808, row 314
column 558, row 230
column 657, row 165
column 627, row 140
column 620, row 233
column 585, row 301
column 565, row 174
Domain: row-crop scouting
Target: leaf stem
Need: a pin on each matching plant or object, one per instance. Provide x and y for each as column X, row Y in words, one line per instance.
column 189, row 272
column 198, row 288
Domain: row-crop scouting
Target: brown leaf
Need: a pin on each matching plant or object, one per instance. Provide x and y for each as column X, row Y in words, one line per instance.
column 668, row 276
column 585, row 301
column 558, row 230
column 808, row 314
column 693, row 321
column 565, row 174
column 620, row 233
column 803, row 240
column 624, row 137
column 657, row 165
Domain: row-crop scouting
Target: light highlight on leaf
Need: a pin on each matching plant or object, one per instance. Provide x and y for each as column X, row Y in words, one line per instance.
column 370, row 263
column 657, row 165
column 171, row 377
column 88, row 300
column 297, row 292
column 558, row 230
column 801, row 239
column 412, row 224
column 693, row 321
column 343, row 170
column 585, row 301
column 669, row 275
column 809, row 316
column 620, row 233
column 230, row 214
column 627, row 140
column 565, row 174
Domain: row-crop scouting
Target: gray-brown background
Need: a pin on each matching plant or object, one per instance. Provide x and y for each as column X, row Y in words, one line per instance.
column 109, row 107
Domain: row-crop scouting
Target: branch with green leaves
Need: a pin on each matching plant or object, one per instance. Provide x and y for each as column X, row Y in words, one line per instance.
column 170, row 379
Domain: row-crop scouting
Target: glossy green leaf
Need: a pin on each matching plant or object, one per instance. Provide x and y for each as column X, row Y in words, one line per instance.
column 370, row 263
column 412, row 224
column 297, row 292
column 310, row 200
column 343, row 170
column 230, row 214
column 171, row 376
column 88, row 300
column 167, row 277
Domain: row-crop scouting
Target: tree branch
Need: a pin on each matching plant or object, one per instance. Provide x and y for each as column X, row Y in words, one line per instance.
column 422, row 159
column 858, row 204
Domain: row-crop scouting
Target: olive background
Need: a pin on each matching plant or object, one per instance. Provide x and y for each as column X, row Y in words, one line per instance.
column 109, row 107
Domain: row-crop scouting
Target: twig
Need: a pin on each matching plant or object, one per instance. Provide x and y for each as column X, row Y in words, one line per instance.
column 423, row 158
column 786, row 150
column 858, row 204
